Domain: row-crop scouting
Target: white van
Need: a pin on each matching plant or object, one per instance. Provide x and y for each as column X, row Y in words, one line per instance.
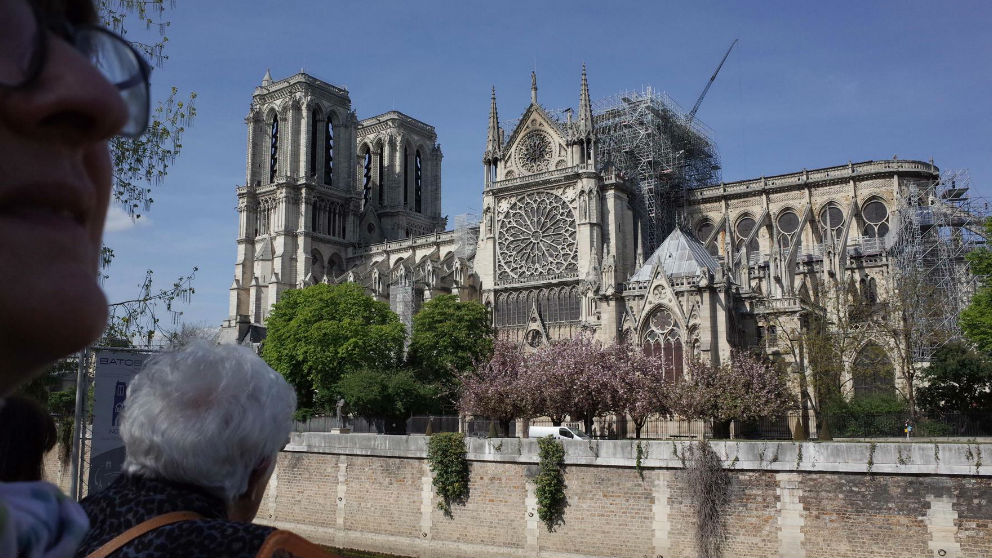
column 562, row 432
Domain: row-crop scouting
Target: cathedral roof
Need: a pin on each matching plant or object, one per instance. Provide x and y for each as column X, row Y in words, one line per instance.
column 679, row 255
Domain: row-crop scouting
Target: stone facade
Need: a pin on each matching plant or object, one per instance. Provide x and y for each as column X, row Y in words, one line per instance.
column 563, row 244
column 784, row 499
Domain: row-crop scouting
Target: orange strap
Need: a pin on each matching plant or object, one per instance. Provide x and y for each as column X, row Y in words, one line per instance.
column 115, row 543
column 284, row 544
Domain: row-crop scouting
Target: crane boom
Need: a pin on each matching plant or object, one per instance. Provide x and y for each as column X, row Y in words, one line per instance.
column 692, row 113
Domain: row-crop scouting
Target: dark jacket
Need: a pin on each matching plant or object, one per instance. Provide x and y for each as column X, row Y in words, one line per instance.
column 132, row 499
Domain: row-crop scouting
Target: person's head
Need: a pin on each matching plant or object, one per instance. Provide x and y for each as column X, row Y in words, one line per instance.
column 214, row 416
column 28, row 433
column 66, row 88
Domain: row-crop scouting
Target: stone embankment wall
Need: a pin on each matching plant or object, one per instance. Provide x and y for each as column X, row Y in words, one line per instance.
column 785, row 499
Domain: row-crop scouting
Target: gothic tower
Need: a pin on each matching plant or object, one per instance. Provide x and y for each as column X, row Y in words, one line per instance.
column 298, row 208
column 399, row 178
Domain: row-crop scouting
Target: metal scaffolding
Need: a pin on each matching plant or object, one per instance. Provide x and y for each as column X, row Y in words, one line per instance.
column 647, row 137
column 937, row 224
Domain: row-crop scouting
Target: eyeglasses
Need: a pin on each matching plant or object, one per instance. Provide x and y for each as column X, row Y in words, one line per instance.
column 24, row 50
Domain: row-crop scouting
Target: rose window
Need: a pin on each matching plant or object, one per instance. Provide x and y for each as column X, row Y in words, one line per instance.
column 534, row 153
column 537, row 237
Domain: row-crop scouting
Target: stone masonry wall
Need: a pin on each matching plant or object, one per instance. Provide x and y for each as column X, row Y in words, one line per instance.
column 785, row 499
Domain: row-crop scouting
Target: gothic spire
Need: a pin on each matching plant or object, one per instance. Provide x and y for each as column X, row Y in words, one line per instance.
column 493, row 139
column 584, row 127
column 267, row 78
column 533, row 88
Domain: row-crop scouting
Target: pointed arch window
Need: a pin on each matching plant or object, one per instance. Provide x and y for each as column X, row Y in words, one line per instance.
column 274, row 148
column 743, row 230
column 328, row 151
column 876, row 217
column 663, row 340
column 382, row 177
column 406, row 176
column 873, row 372
column 788, row 228
column 831, row 221
column 703, row 232
column 314, row 135
column 367, row 178
column 417, row 182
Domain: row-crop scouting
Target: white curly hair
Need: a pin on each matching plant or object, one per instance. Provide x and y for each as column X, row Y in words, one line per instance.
column 206, row 415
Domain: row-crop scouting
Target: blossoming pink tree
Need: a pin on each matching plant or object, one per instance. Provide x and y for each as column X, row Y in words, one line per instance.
column 593, row 378
column 640, row 388
column 746, row 388
column 494, row 389
column 549, row 375
column 750, row 387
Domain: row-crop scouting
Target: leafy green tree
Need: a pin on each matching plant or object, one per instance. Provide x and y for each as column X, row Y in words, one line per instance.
column 976, row 319
column 384, row 393
column 448, row 337
column 317, row 334
column 958, row 380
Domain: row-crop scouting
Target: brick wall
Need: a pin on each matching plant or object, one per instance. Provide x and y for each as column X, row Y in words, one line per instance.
column 785, row 499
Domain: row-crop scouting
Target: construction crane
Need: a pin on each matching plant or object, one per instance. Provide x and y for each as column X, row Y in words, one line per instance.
column 692, row 113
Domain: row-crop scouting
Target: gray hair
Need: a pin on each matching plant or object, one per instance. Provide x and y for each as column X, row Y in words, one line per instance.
column 206, row 415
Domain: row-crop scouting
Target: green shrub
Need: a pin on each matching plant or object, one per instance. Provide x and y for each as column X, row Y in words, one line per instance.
column 550, row 481
column 868, row 416
column 446, row 455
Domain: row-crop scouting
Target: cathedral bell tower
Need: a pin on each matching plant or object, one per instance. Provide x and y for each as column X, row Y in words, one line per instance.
column 297, row 209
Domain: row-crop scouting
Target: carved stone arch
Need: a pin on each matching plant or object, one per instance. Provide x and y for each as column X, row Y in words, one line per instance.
column 874, row 217
column 740, row 227
column 872, row 370
column 555, row 305
column 335, row 266
column 627, row 331
column 693, row 342
column 283, row 106
column 832, row 210
column 663, row 336
column 317, row 265
column 788, row 224
column 536, row 333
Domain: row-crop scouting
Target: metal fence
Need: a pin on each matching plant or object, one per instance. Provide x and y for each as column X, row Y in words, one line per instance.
column 888, row 425
column 611, row 427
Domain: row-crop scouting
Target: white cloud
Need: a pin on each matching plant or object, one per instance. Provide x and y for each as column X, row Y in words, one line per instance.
column 118, row 220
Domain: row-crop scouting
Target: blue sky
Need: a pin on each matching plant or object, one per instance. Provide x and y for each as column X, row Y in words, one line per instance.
column 809, row 85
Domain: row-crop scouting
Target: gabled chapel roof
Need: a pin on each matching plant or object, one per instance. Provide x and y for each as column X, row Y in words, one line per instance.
column 681, row 254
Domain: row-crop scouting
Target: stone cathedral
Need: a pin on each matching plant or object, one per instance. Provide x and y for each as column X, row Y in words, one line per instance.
column 611, row 220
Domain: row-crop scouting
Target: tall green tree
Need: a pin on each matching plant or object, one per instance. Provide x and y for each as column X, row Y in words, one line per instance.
column 958, row 380
column 392, row 394
column 317, row 334
column 976, row 319
column 448, row 337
